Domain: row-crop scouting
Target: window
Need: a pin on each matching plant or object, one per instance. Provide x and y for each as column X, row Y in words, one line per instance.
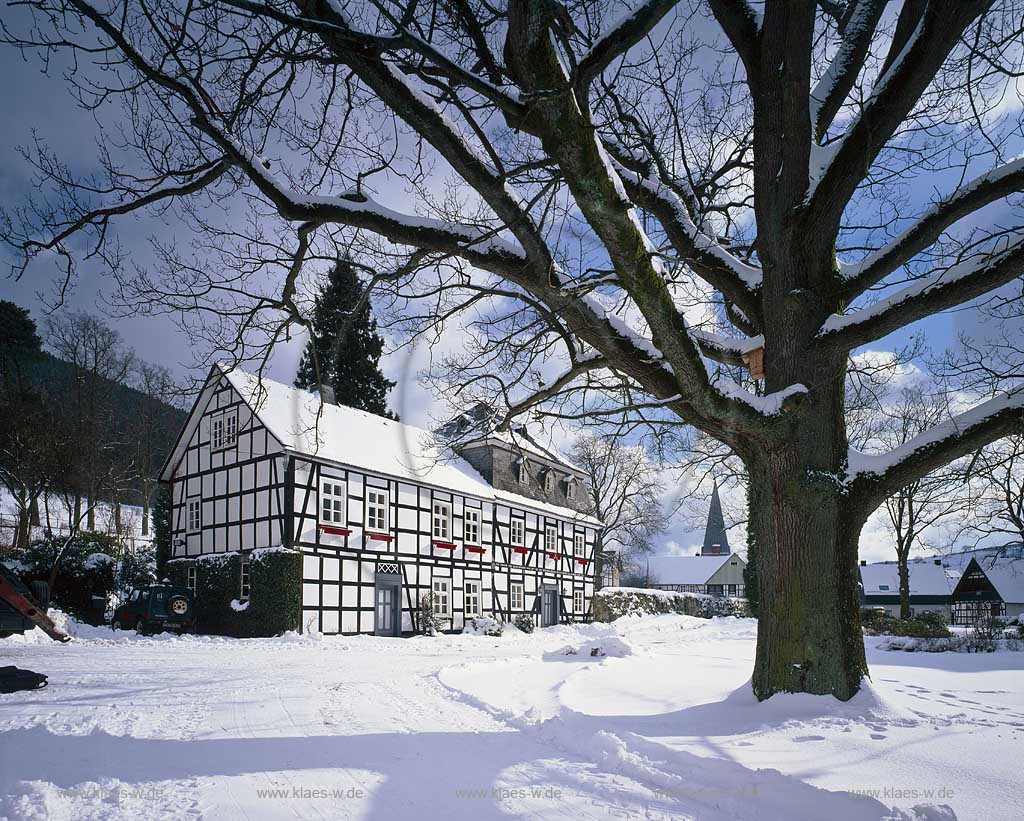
column 551, row 538
column 570, row 488
column 517, row 597
column 195, row 515
column 579, row 544
column 376, row 510
column 577, row 601
column 549, row 481
column 471, row 527
column 332, row 503
column 243, row 587
column 472, row 599
column 223, row 430
column 883, row 587
column 190, row 579
column 441, row 588
column 517, row 532
column 522, row 472
column 442, row 521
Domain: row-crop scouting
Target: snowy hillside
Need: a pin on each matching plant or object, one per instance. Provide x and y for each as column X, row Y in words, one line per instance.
column 662, row 725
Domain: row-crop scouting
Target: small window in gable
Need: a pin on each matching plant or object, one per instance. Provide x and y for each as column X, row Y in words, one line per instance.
column 195, row 515
column 224, row 430
column 549, row 481
column 570, row 488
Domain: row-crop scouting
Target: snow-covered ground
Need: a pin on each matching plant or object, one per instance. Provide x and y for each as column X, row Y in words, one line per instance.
column 661, row 726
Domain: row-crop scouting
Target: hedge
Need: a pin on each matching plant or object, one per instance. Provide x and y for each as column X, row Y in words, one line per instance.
column 275, row 592
column 611, row 603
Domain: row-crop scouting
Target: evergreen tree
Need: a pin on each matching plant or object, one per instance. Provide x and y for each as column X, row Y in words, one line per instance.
column 347, row 345
column 162, row 529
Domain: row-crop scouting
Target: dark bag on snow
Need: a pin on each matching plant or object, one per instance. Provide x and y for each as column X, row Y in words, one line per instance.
column 13, row 679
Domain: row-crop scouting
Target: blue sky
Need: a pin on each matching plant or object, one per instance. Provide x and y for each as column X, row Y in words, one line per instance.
column 31, row 103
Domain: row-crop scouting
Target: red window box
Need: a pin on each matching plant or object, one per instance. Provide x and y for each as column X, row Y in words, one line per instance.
column 335, row 531
column 580, row 560
column 554, row 555
column 380, row 537
column 475, row 549
column 523, row 550
column 444, row 545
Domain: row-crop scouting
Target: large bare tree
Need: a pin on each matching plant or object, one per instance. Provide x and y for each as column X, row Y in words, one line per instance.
column 652, row 194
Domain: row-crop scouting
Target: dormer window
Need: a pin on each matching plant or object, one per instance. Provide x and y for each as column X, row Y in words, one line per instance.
column 549, row 481
column 522, row 472
column 570, row 488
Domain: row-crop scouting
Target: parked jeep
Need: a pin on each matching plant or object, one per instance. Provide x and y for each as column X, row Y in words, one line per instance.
column 156, row 608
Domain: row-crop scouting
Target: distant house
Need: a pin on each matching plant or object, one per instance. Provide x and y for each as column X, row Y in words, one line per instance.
column 716, row 571
column 989, row 587
column 715, row 575
column 930, row 588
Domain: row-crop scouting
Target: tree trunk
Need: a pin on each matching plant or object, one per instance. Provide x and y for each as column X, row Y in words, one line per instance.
column 76, row 515
column 90, row 515
column 805, row 540
column 902, row 558
column 33, row 511
column 145, row 510
column 21, row 538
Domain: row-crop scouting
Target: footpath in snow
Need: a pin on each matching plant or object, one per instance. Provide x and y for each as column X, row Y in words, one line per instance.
column 646, row 718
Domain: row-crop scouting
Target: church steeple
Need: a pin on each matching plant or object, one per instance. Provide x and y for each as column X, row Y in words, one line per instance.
column 716, row 543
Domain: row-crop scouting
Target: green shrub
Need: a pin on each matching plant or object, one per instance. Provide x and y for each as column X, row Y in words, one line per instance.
column 524, row 622
column 275, row 600
column 611, row 603
column 928, row 625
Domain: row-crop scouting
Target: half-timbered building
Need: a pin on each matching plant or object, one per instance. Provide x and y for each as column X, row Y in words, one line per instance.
column 379, row 512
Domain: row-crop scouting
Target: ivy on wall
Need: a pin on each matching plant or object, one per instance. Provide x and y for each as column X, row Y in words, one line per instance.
column 275, row 592
column 611, row 603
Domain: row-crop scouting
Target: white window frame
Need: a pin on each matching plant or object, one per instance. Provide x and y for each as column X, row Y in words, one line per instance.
column 194, row 514
column 379, row 504
column 570, row 488
column 442, row 594
column 517, row 596
column 549, row 481
column 471, row 526
column 471, row 594
column 579, row 544
column 335, row 492
column 244, row 580
column 191, row 578
column 517, row 532
column 224, row 430
column 578, row 601
column 551, row 539
column 441, row 515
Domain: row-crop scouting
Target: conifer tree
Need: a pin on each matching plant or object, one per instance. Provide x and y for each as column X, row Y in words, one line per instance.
column 346, row 344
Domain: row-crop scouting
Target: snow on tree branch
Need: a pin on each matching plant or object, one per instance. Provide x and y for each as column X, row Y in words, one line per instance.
column 957, row 284
column 995, row 184
column 873, row 477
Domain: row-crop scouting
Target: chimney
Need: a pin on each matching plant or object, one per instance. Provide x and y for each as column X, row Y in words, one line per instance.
column 327, row 395
column 863, row 562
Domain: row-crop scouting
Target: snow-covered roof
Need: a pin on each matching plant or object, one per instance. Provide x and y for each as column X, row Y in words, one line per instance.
column 926, row 579
column 355, row 438
column 685, row 569
column 1007, row 577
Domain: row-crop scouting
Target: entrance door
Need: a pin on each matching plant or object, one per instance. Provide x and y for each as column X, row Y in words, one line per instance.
column 388, row 618
column 549, row 608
